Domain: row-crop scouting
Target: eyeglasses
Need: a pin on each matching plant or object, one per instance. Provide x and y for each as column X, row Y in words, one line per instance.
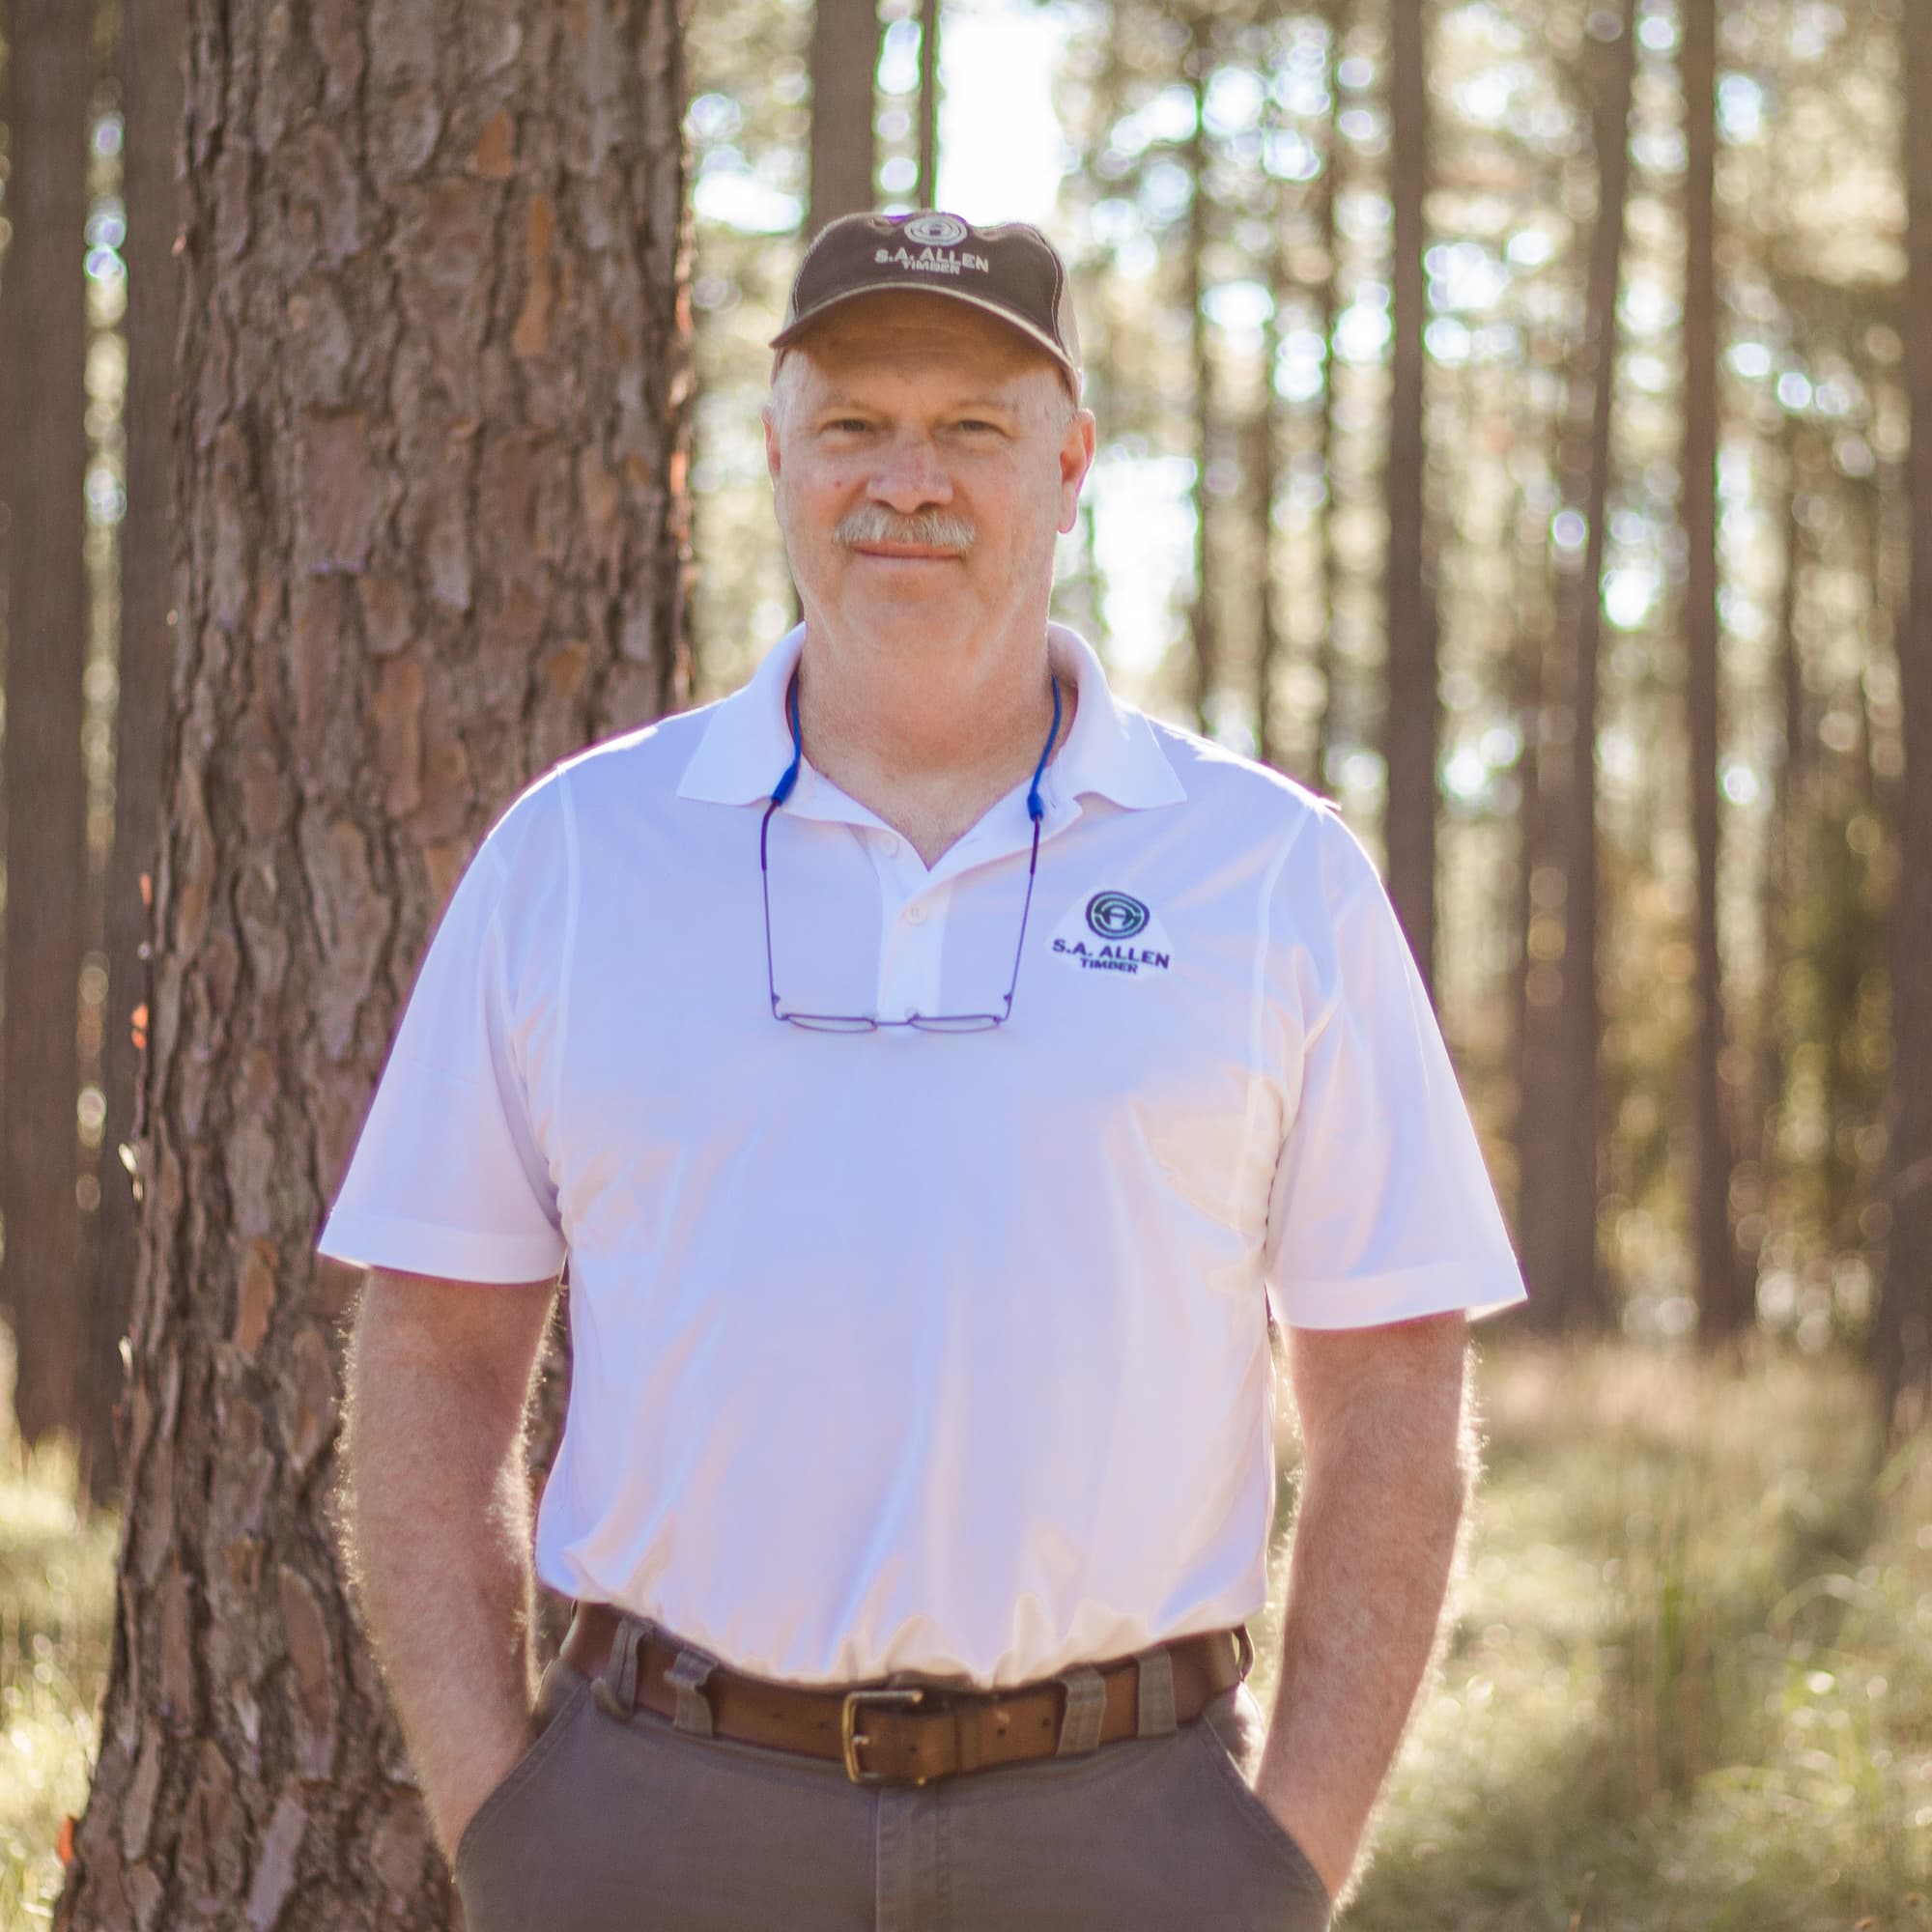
column 870, row 1022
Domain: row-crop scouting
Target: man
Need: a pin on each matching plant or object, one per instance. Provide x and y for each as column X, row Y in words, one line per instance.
column 928, row 1069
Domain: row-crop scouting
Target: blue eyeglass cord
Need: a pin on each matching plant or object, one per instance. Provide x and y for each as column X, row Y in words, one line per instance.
column 782, row 790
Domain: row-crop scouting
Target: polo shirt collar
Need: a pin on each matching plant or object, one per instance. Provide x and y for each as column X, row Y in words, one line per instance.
column 1111, row 751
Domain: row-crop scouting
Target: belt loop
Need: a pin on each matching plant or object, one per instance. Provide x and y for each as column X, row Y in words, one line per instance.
column 1086, row 1707
column 616, row 1690
column 1156, row 1692
column 687, row 1677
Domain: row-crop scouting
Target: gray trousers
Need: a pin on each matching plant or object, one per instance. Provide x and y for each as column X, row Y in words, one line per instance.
column 617, row 1821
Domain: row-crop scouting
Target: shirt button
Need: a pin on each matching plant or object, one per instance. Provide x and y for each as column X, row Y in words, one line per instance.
column 914, row 915
column 887, row 843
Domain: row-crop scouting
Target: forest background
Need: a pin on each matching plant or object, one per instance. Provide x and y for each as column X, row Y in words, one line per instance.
column 1506, row 428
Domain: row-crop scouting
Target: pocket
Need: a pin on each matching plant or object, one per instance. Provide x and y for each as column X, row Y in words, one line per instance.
column 1266, row 1827
column 561, row 1694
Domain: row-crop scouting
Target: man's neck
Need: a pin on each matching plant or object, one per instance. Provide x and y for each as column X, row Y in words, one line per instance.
column 926, row 743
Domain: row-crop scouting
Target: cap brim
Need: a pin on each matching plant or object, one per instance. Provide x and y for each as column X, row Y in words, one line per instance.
column 791, row 331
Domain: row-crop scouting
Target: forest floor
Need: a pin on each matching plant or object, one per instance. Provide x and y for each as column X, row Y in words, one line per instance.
column 1689, row 1689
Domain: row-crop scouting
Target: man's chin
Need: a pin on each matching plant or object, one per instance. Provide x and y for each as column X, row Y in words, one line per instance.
column 915, row 615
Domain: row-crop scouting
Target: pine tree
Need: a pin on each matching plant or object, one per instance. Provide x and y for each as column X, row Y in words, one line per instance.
column 430, row 444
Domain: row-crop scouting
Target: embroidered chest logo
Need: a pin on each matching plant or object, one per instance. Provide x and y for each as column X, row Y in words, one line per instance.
column 1113, row 932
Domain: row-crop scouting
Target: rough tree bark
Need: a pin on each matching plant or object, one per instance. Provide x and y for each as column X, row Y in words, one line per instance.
column 154, row 45
column 1904, row 1314
column 1412, row 717
column 430, row 468
column 1723, row 1299
column 844, row 66
column 43, row 472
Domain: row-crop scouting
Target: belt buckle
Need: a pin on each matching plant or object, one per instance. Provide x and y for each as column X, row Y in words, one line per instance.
column 851, row 1737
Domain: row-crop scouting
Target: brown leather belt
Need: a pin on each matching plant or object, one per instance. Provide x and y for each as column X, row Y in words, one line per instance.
column 910, row 1733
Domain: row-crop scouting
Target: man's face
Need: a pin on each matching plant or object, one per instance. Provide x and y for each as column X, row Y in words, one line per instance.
column 923, row 457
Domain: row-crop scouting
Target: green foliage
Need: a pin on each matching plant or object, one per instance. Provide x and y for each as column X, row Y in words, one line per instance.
column 1690, row 1682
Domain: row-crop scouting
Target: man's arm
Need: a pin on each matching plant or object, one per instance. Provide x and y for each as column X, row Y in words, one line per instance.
column 437, row 1509
column 1387, row 1468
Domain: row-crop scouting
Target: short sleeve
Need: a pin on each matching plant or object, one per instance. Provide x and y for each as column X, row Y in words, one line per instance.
column 1381, row 1210
column 446, row 1177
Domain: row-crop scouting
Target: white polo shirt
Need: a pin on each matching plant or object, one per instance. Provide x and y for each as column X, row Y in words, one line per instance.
column 910, row 1352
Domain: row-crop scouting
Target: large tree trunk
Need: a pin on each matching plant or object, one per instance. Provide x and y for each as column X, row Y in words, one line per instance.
column 1412, row 726
column 1724, row 1302
column 43, row 472
column 844, row 66
column 1577, row 1287
column 1905, row 1323
column 154, row 45
column 431, row 472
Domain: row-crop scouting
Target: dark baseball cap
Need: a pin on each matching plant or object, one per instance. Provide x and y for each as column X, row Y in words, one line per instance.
column 1013, row 271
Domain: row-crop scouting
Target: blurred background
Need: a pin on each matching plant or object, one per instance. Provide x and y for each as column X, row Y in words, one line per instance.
column 1505, row 428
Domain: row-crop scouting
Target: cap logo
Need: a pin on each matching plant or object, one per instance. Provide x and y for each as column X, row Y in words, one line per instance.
column 935, row 231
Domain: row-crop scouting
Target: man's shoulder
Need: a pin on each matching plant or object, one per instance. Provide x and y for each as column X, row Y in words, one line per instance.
column 1226, row 784
column 635, row 770
column 642, row 765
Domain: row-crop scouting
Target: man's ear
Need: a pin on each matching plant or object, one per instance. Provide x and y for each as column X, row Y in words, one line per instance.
column 1076, row 458
column 771, row 444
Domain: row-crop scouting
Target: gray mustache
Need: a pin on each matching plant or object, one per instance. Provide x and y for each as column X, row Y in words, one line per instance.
column 875, row 524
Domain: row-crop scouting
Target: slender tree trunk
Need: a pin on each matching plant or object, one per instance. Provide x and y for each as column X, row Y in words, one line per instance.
column 43, row 472
column 1905, row 1323
column 1781, row 828
column 1266, row 446
column 928, row 102
column 1412, row 726
column 1327, row 656
column 1202, row 618
column 154, row 45
column 1578, row 1288
column 1724, row 1306
column 844, row 64
column 1536, row 985
column 1538, row 699
column 1263, row 463
column 430, row 449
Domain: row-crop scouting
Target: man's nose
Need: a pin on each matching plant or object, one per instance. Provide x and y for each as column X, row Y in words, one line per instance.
column 910, row 476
